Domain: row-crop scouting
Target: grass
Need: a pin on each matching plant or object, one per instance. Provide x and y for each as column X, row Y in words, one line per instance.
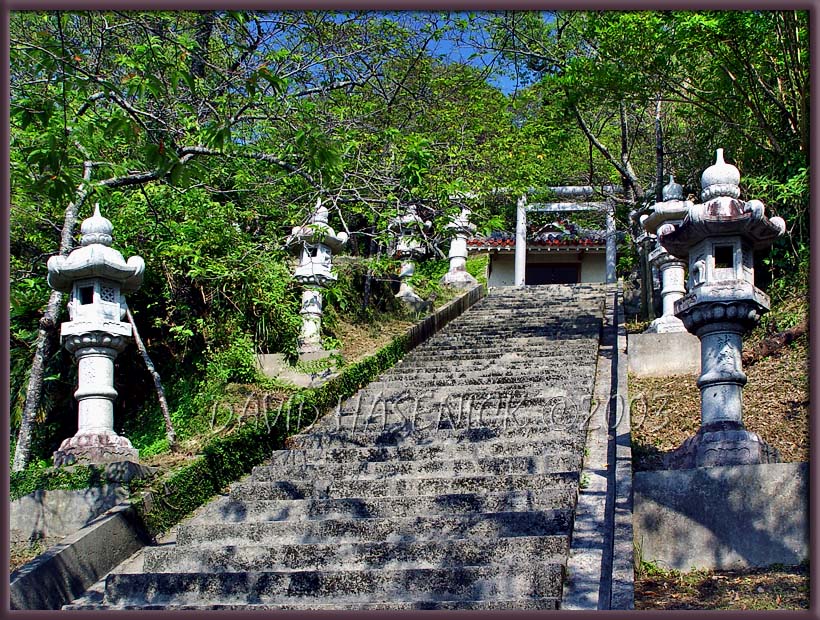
column 22, row 552
column 766, row 588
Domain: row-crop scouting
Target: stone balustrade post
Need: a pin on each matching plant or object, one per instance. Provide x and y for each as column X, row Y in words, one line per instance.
column 457, row 275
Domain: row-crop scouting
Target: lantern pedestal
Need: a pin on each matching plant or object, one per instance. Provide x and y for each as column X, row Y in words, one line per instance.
column 719, row 323
column 95, row 441
column 721, row 444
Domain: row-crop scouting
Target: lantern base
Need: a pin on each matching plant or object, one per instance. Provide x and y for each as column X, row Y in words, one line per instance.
column 720, row 444
column 459, row 279
column 95, row 448
column 666, row 324
column 411, row 299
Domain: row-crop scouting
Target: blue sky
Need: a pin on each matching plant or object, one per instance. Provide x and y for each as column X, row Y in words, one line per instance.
column 466, row 49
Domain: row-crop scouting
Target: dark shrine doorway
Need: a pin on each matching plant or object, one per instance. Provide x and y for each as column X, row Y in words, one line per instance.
column 552, row 273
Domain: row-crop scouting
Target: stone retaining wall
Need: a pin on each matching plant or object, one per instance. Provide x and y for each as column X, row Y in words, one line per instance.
column 723, row 517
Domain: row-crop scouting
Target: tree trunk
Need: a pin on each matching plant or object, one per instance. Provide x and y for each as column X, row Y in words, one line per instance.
column 368, row 278
column 650, row 288
column 629, row 179
column 774, row 343
column 204, row 27
column 46, row 334
column 163, row 403
column 658, row 153
column 631, row 184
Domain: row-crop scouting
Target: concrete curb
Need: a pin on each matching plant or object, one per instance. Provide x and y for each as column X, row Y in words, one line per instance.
column 664, row 354
column 622, row 594
column 600, row 566
column 67, row 569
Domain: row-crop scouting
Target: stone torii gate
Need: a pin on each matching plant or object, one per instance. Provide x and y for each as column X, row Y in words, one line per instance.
column 569, row 191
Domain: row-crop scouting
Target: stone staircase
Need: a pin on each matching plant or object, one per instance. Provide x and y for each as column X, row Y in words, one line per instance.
column 449, row 483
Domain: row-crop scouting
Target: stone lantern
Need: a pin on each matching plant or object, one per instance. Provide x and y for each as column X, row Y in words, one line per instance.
column 457, row 276
column 97, row 277
column 318, row 242
column 719, row 237
column 409, row 249
column 671, row 211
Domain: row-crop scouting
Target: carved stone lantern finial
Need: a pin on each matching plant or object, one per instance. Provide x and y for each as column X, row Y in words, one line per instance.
column 720, row 179
column 719, row 237
column 96, row 276
column 672, row 190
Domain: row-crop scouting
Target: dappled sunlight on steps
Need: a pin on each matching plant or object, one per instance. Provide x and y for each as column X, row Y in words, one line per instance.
column 448, row 483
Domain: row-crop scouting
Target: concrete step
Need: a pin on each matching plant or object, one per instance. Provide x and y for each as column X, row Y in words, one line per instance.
column 411, row 400
column 427, row 468
column 490, row 352
column 459, row 383
column 228, row 510
column 377, row 506
column 357, row 555
column 334, row 587
column 395, row 424
column 422, row 432
column 498, row 448
column 522, row 366
column 485, row 526
column 511, row 358
column 539, row 603
column 507, row 359
column 517, row 328
column 322, row 489
column 511, row 339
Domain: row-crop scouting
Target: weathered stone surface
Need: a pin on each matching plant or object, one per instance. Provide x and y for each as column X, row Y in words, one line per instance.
column 664, row 354
column 359, row 555
column 721, row 445
column 64, row 571
column 723, row 517
column 55, row 514
column 421, row 584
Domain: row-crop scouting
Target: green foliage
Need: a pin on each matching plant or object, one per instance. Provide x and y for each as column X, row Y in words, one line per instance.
column 426, row 280
column 477, row 267
column 234, row 364
column 627, row 256
column 789, row 258
column 37, row 477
